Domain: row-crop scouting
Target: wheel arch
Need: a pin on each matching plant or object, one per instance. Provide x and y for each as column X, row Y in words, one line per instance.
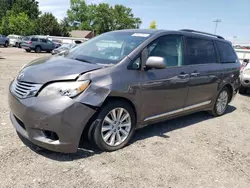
column 38, row 45
column 87, row 131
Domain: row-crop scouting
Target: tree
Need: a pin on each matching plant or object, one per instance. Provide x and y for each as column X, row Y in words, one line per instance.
column 64, row 27
column 102, row 17
column 153, row 25
column 47, row 25
column 78, row 11
column 30, row 7
column 4, row 6
column 17, row 24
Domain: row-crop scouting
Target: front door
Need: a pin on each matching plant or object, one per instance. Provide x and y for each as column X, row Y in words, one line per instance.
column 205, row 72
column 164, row 91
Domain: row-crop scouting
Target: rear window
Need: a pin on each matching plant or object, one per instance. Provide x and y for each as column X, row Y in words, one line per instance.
column 226, row 52
column 26, row 39
column 200, row 51
column 34, row 39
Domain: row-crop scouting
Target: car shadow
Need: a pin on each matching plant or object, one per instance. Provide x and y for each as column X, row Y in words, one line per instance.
column 247, row 93
column 160, row 129
column 85, row 150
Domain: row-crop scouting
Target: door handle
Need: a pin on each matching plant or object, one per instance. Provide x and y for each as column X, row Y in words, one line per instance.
column 195, row 74
column 183, row 76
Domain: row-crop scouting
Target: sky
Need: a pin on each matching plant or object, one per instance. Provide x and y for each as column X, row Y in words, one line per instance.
column 179, row 14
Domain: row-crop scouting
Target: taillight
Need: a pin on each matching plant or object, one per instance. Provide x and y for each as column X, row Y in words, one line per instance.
column 30, row 42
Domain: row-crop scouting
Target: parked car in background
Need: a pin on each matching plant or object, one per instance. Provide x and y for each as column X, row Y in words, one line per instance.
column 4, row 41
column 37, row 44
column 245, row 76
column 63, row 48
column 120, row 81
column 57, row 43
column 15, row 40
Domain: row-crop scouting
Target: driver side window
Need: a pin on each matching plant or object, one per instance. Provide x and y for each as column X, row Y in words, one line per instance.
column 168, row 47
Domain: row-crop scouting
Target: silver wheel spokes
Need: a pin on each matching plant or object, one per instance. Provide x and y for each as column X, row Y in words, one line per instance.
column 116, row 127
column 222, row 102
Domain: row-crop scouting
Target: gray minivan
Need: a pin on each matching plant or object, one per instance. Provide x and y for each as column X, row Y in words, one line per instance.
column 115, row 83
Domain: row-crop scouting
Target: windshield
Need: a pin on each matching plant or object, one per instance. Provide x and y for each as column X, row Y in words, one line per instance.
column 108, row 48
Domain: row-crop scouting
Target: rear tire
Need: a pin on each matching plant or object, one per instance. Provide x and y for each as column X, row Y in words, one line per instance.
column 221, row 103
column 242, row 90
column 38, row 49
column 16, row 45
column 120, row 131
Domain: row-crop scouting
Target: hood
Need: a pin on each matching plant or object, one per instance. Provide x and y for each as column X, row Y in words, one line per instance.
column 54, row 68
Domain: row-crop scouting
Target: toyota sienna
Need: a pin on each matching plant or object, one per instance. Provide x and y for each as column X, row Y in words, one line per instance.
column 115, row 83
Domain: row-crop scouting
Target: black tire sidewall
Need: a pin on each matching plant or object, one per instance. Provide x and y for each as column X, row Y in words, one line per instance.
column 36, row 49
column 97, row 137
column 215, row 109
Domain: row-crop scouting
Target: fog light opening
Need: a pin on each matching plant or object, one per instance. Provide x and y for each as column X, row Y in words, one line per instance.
column 51, row 135
column 246, row 81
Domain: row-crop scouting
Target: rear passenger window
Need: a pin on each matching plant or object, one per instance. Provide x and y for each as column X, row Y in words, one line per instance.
column 200, row 51
column 226, row 52
column 34, row 39
column 43, row 40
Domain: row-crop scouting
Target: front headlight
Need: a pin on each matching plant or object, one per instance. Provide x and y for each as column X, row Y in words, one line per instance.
column 70, row 89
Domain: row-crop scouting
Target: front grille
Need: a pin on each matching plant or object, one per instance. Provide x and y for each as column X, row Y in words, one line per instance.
column 24, row 89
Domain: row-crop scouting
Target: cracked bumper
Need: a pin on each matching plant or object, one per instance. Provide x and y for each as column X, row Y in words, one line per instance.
column 64, row 116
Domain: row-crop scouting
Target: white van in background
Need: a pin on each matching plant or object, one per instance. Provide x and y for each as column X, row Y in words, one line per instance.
column 15, row 40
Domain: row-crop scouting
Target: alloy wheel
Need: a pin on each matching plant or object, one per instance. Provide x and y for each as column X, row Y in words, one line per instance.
column 116, row 127
column 221, row 103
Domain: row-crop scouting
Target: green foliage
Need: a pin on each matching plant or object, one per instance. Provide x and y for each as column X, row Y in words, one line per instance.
column 102, row 17
column 78, row 11
column 17, row 24
column 47, row 25
column 64, row 27
column 153, row 25
column 24, row 18
column 29, row 7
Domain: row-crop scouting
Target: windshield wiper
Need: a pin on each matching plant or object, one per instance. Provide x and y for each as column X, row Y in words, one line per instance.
column 84, row 60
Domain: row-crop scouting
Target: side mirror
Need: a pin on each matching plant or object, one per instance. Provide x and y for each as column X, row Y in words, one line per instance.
column 155, row 62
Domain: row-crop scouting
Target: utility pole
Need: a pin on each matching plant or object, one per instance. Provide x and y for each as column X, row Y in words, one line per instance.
column 216, row 24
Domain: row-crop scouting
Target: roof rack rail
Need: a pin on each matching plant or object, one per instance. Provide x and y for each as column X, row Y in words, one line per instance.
column 200, row 32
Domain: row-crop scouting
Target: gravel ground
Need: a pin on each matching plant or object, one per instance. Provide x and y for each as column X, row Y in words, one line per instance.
column 192, row 151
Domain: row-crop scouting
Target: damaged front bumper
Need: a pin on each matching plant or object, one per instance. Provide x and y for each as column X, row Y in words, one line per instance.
column 52, row 123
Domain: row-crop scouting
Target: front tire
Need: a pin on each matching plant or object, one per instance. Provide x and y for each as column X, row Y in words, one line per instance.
column 221, row 103
column 28, row 50
column 116, row 126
